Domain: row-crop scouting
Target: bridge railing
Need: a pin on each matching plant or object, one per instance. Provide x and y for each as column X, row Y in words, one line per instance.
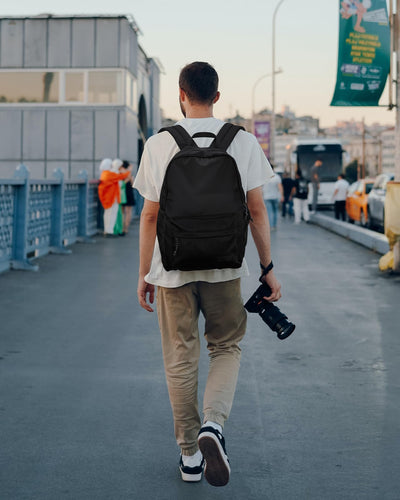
column 42, row 216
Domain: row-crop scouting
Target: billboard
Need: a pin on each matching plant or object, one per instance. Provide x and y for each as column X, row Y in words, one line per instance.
column 262, row 130
column 364, row 53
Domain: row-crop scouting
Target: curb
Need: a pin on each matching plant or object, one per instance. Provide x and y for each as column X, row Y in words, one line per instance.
column 365, row 237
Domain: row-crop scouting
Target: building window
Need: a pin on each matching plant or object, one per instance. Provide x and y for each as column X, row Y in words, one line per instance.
column 74, row 87
column 104, row 87
column 130, row 92
column 68, row 87
column 29, row 86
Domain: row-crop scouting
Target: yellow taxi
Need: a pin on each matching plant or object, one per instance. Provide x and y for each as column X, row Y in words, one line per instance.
column 356, row 201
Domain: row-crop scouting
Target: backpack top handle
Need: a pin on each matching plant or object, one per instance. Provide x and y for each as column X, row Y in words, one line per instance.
column 204, row 134
column 221, row 141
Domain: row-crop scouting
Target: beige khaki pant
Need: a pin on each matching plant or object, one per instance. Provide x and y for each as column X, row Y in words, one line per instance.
column 225, row 325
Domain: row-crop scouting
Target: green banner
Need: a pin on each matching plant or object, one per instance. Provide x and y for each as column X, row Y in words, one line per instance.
column 364, row 52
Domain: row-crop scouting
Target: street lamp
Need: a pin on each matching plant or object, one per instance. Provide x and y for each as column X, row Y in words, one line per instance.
column 272, row 146
column 279, row 70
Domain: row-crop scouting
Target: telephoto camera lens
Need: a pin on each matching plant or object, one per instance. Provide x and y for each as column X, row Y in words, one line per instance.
column 270, row 314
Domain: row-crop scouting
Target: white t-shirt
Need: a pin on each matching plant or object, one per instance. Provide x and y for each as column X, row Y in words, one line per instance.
column 254, row 170
column 271, row 188
column 342, row 186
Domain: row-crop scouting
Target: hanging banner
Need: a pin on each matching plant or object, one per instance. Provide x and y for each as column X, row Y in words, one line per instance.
column 364, row 52
column 262, row 130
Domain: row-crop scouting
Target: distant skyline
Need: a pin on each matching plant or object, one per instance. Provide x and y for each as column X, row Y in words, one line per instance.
column 236, row 38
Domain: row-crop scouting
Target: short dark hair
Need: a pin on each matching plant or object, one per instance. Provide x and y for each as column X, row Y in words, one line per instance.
column 199, row 81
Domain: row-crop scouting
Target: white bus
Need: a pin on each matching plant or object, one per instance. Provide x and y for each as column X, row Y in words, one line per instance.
column 305, row 152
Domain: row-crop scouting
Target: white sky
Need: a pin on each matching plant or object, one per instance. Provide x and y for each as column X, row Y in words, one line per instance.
column 235, row 36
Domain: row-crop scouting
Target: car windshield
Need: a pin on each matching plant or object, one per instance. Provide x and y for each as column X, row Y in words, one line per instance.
column 329, row 154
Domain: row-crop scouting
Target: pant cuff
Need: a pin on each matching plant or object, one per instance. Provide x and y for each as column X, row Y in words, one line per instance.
column 215, row 417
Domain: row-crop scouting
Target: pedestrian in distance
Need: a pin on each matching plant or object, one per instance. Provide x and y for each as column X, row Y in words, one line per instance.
column 129, row 200
column 109, row 193
column 299, row 196
column 287, row 186
column 117, row 164
column 315, row 184
column 273, row 194
column 183, row 294
column 340, row 189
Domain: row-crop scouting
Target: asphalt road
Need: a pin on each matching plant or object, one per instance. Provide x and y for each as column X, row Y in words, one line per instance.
column 84, row 411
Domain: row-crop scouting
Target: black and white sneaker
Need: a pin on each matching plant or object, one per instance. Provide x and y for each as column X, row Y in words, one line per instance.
column 191, row 474
column 212, row 446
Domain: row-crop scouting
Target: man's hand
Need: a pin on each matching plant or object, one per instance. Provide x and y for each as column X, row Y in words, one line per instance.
column 142, row 291
column 274, row 285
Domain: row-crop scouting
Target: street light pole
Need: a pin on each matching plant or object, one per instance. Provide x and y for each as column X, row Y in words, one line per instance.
column 272, row 139
column 279, row 70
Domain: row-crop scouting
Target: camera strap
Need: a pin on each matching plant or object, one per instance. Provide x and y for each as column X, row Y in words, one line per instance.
column 265, row 270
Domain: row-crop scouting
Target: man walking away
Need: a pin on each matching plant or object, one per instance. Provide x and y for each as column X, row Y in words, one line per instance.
column 315, row 184
column 273, row 194
column 182, row 295
column 287, row 203
column 339, row 197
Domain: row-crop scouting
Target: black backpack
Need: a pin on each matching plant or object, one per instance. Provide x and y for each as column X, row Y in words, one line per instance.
column 203, row 217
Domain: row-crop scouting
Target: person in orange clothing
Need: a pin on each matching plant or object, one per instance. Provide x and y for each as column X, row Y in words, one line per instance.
column 109, row 193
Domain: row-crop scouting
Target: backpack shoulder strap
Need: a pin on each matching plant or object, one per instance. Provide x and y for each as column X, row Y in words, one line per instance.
column 182, row 138
column 225, row 136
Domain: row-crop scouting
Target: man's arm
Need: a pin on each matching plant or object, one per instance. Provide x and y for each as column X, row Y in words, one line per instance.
column 147, row 238
column 259, row 227
column 314, row 174
column 335, row 190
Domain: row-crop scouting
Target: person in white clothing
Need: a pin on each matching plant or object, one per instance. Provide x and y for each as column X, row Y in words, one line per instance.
column 273, row 194
column 182, row 295
column 339, row 197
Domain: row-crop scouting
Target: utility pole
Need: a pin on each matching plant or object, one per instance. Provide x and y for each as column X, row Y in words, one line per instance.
column 272, row 128
column 363, row 150
column 380, row 154
column 397, row 49
column 396, row 247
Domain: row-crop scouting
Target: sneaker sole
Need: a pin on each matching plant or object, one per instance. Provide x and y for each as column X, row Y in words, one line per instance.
column 190, row 478
column 217, row 468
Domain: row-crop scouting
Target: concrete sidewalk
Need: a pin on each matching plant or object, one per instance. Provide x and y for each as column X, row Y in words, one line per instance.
column 84, row 411
column 366, row 237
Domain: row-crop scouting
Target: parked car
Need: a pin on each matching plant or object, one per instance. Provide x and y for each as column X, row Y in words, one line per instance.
column 356, row 201
column 376, row 201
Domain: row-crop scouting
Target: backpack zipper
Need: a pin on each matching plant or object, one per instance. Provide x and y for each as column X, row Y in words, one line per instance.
column 174, row 253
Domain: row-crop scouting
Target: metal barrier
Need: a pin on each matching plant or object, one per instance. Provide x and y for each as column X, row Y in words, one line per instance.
column 42, row 216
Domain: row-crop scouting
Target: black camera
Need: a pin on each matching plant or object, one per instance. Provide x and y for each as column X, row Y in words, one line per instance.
column 269, row 313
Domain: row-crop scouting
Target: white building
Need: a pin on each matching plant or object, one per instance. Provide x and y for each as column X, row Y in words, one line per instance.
column 74, row 90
